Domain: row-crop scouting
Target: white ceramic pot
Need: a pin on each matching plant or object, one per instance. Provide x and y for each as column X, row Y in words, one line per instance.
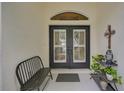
column 109, row 77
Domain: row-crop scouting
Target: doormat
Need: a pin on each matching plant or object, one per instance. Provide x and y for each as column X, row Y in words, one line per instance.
column 68, row 77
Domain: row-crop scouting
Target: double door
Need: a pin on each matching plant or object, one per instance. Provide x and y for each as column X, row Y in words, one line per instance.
column 69, row 46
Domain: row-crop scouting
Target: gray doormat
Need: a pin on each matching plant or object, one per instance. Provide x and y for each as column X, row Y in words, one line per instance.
column 68, row 77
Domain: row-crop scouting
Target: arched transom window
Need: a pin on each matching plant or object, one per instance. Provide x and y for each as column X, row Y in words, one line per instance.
column 69, row 16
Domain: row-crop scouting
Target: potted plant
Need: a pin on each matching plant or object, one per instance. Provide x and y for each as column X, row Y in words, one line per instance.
column 109, row 71
column 98, row 58
column 111, row 74
column 96, row 66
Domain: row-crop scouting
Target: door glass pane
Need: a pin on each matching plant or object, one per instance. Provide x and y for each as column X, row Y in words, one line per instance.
column 79, row 54
column 76, row 38
column 78, row 45
column 82, row 38
column 62, row 38
column 57, row 42
column 60, row 53
column 60, row 45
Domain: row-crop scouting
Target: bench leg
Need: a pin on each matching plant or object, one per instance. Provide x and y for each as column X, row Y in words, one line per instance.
column 45, row 84
column 51, row 75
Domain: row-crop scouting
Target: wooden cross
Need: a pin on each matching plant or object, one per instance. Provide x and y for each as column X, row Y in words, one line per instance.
column 108, row 34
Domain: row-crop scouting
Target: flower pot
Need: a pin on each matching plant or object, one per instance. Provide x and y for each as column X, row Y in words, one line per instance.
column 109, row 77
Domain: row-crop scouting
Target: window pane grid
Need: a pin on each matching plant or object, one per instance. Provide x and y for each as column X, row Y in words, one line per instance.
column 59, row 45
column 79, row 45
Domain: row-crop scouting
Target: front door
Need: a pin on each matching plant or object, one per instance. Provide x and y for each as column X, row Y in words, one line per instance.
column 69, row 46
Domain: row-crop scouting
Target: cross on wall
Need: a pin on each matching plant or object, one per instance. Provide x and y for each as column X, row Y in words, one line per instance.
column 109, row 34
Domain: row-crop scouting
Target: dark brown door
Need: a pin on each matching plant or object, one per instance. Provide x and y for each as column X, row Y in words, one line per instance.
column 69, row 46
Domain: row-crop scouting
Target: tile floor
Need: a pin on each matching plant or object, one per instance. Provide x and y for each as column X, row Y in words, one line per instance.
column 85, row 84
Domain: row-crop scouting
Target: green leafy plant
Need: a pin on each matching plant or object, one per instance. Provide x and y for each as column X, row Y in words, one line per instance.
column 119, row 80
column 113, row 72
column 96, row 66
column 98, row 58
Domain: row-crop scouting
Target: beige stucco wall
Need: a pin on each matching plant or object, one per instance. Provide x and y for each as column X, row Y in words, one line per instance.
column 26, row 32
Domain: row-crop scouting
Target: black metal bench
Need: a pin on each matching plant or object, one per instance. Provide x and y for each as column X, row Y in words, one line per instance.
column 31, row 73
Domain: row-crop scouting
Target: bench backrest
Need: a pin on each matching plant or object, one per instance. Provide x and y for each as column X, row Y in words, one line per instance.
column 26, row 69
